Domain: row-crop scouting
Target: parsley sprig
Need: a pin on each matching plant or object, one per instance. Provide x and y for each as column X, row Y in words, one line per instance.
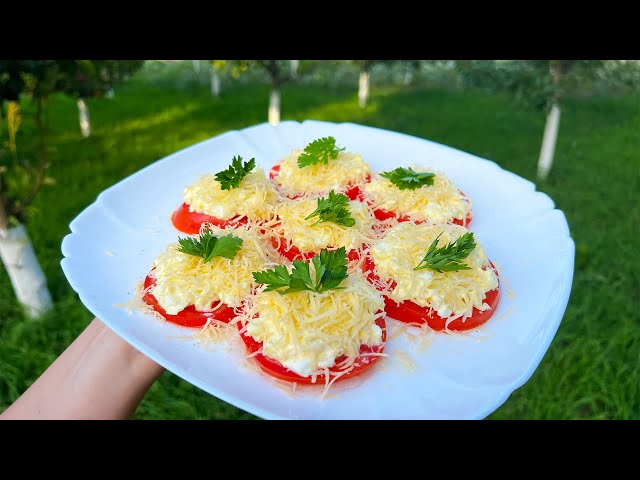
column 231, row 177
column 408, row 178
column 333, row 209
column 448, row 258
column 319, row 151
column 329, row 269
column 208, row 246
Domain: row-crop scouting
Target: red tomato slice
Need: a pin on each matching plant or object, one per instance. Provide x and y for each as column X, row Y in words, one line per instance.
column 189, row 317
column 276, row 369
column 190, row 222
column 275, row 170
column 382, row 214
column 354, row 192
column 410, row 312
column 294, row 253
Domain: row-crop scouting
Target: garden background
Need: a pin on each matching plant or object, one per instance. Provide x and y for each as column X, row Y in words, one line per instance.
column 138, row 112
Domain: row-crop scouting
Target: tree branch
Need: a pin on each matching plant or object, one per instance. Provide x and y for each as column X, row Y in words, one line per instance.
column 274, row 71
column 19, row 207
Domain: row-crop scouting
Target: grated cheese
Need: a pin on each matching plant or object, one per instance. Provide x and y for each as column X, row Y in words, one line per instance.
column 348, row 168
column 255, row 197
column 297, row 231
column 183, row 280
column 451, row 294
column 307, row 331
column 437, row 203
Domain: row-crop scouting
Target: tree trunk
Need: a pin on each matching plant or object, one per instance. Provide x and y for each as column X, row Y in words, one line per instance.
column 363, row 89
column 215, row 83
column 274, row 106
column 196, row 66
column 549, row 142
column 85, row 123
column 29, row 283
column 408, row 75
column 294, row 68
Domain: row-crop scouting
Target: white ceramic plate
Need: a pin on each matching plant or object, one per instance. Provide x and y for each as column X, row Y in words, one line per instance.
column 114, row 241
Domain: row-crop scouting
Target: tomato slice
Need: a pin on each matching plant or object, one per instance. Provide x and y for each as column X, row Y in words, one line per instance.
column 354, row 192
column 410, row 312
column 294, row 253
column 190, row 222
column 276, row 369
column 188, row 317
column 275, row 170
column 382, row 214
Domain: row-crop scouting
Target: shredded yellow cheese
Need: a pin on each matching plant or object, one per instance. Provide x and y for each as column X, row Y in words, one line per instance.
column 437, row 203
column 307, row 237
column 183, row 280
column 255, row 198
column 348, row 168
column 307, row 331
column 450, row 294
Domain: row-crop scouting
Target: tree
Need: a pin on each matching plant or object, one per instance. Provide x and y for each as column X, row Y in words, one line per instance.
column 540, row 84
column 21, row 179
column 410, row 66
column 363, row 82
column 83, row 79
column 279, row 72
column 224, row 68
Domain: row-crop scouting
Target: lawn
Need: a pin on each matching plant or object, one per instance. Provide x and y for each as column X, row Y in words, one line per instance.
column 592, row 369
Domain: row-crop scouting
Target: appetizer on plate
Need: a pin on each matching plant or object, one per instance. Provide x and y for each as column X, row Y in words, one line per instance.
column 312, row 322
column 434, row 274
column 419, row 194
column 306, row 225
column 234, row 196
column 208, row 277
column 320, row 167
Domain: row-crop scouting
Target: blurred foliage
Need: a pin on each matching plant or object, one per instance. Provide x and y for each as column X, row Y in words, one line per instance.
column 536, row 83
column 230, row 68
column 530, row 81
column 22, row 175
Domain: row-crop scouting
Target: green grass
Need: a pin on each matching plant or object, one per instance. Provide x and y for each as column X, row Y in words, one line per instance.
column 592, row 369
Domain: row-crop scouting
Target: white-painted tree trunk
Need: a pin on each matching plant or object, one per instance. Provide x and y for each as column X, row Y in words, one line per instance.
column 29, row 283
column 196, row 66
column 215, row 83
column 408, row 75
column 363, row 89
column 111, row 93
column 85, row 122
column 294, row 68
column 549, row 142
column 274, row 107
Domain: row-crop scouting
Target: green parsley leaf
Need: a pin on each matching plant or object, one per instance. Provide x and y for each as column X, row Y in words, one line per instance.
column 231, row 177
column 319, row 151
column 407, row 178
column 448, row 258
column 329, row 269
column 333, row 209
column 275, row 278
column 208, row 246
